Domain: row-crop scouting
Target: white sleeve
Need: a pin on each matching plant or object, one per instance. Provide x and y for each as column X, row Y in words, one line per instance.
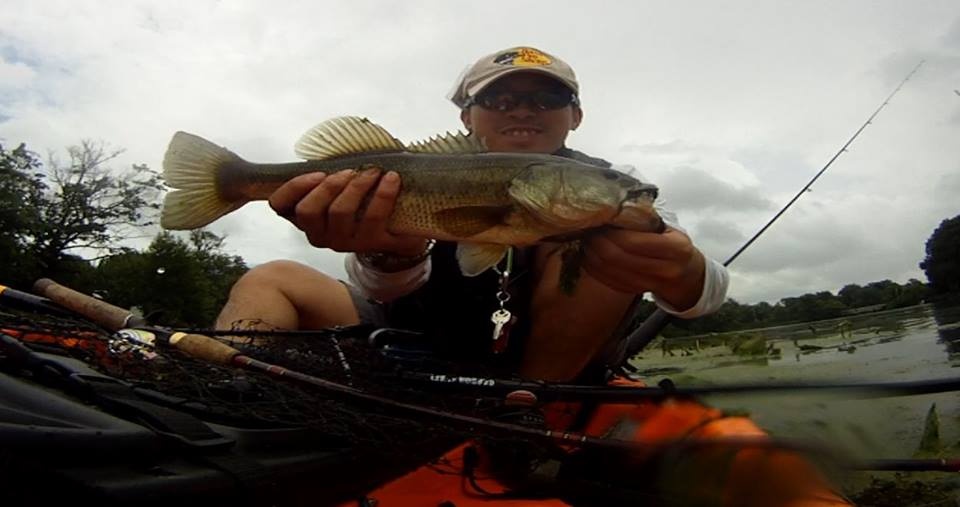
column 386, row 287
column 716, row 280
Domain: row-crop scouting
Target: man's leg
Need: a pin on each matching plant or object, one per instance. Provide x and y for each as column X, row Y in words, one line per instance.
column 287, row 295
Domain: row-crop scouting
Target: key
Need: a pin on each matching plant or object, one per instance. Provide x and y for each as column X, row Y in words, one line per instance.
column 501, row 327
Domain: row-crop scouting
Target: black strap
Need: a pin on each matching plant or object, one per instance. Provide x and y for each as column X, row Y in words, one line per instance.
column 120, row 399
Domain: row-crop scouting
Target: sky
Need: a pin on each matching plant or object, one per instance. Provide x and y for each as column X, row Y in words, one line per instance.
column 729, row 107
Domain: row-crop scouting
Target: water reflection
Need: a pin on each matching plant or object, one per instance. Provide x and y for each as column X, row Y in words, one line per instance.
column 916, row 343
column 947, row 320
column 902, row 344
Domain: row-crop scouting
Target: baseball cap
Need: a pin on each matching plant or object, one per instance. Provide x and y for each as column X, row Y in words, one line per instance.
column 518, row 59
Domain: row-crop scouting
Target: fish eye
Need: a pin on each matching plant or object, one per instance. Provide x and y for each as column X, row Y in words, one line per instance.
column 610, row 174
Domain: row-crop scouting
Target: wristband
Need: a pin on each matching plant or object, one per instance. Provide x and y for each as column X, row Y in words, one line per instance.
column 386, row 262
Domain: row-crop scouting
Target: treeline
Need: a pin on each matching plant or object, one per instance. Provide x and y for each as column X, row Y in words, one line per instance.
column 70, row 221
column 941, row 265
column 851, row 298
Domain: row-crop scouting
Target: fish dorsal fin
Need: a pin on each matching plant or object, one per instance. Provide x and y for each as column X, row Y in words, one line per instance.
column 449, row 143
column 345, row 135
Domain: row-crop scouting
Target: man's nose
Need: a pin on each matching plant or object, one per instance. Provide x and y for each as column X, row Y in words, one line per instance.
column 523, row 110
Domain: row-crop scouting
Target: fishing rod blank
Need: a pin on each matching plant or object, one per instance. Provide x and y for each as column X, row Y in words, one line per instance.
column 655, row 323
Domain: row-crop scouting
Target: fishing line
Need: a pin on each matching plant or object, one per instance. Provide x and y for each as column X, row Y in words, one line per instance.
column 655, row 323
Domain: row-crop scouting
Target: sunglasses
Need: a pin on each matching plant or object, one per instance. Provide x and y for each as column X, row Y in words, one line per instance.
column 503, row 101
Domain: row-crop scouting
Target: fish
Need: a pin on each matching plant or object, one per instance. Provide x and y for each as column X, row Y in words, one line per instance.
column 452, row 188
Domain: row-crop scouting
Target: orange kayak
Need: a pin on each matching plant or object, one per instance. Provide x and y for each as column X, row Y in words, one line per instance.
column 704, row 476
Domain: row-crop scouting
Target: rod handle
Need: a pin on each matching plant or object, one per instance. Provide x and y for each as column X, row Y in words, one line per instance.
column 203, row 348
column 103, row 313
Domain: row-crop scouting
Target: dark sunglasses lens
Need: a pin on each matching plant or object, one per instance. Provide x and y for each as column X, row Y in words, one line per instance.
column 552, row 100
column 507, row 101
column 501, row 101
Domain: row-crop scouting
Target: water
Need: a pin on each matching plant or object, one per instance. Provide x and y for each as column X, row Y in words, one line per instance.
column 916, row 343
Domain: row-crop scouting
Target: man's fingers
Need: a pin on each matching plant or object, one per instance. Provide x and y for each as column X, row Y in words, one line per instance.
column 284, row 200
column 616, row 280
column 381, row 203
column 342, row 213
column 311, row 211
column 607, row 259
column 670, row 244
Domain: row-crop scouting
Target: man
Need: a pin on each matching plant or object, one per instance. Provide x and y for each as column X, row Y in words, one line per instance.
column 516, row 100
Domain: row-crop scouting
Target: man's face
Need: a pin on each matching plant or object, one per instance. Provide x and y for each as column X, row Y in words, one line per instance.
column 525, row 128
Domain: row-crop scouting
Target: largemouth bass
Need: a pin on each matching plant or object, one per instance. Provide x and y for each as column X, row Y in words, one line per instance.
column 452, row 189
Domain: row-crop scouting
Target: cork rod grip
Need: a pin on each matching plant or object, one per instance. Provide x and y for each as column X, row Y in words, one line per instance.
column 204, row 348
column 101, row 312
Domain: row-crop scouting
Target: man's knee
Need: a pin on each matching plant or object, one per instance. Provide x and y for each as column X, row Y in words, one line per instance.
column 291, row 295
column 280, row 275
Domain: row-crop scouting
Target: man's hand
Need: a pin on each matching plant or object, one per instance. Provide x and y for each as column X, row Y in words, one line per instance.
column 330, row 211
column 634, row 262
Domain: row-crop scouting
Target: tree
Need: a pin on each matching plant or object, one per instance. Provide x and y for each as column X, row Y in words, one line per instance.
column 21, row 188
column 942, row 262
column 53, row 216
column 178, row 283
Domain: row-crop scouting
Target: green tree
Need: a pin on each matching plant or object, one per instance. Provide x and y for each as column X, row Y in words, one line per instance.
column 176, row 282
column 942, row 262
column 57, row 216
column 913, row 293
column 21, row 188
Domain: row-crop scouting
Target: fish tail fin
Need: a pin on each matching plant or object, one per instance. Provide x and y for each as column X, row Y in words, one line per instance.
column 191, row 166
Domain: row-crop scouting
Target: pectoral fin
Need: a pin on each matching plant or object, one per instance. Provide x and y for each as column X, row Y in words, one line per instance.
column 468, row 221
column 475, row 258
column 571, row 261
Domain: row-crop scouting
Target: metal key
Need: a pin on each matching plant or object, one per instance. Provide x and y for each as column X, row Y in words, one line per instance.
column 500, row 318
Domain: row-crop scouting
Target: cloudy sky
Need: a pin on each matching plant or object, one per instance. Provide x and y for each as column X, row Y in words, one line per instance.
column 730, row 107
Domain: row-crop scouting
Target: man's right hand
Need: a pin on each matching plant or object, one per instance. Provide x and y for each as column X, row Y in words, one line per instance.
column 327, row 208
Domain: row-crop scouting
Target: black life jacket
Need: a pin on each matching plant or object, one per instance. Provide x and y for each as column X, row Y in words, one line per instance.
column 454, row 311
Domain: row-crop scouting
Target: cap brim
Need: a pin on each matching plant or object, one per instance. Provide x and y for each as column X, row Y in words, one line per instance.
column 484, row 83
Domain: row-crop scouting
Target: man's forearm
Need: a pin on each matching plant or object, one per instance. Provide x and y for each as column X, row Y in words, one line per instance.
column 713, row 293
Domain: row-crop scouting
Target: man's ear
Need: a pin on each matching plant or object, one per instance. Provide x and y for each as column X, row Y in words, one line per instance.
column 577, row 117
column 465, row 119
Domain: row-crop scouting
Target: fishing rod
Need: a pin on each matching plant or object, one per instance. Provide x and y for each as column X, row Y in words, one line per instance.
column 544, row 391
column 208, row 349
column 573, row 392
column 657, row 321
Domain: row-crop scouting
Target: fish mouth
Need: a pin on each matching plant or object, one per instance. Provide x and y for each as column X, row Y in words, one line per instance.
column 644, row 192
column 521, row 131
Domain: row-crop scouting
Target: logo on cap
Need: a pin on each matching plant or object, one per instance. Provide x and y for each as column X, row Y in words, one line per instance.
column 523, row 57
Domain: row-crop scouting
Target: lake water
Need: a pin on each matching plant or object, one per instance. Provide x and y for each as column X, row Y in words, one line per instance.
column 915, row 343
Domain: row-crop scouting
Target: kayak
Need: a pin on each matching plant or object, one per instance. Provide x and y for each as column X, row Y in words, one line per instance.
column 744, row 477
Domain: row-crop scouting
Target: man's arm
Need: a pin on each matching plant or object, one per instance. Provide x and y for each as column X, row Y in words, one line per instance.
column 569, row 329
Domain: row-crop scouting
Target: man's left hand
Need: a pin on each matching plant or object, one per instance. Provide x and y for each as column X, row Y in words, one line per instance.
column 635, row 262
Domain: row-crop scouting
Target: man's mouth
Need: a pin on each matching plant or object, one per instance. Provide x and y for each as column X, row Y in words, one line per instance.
column 520, row 131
